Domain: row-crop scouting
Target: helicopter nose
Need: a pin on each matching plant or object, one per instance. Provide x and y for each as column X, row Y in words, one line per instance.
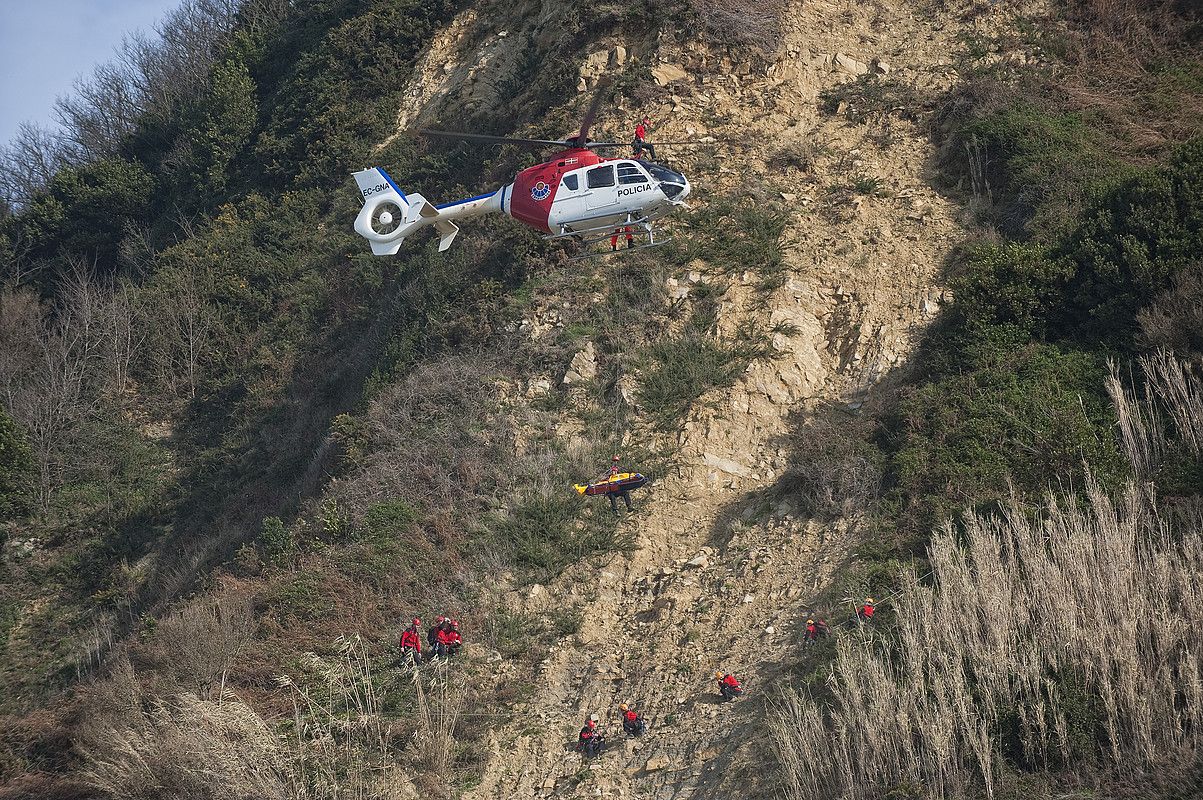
column 675, row 186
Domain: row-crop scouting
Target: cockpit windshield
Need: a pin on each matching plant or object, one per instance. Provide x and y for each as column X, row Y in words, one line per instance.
column 671, row 183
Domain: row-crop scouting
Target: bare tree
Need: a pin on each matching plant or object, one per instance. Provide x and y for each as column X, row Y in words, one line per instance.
column 28, row 162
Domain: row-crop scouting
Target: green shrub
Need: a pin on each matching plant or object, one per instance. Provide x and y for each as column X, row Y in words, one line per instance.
column 546, row 532
column 1037, row 166
column 16, row 468
column 681, row 370
column 1032, row 415
column 388, row 520
column 738, row 235
column 275, row 541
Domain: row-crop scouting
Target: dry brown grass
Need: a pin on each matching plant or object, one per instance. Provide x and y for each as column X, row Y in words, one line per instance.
column 180, row 747
column 735, row 22
column 1075, row 623
column 1116, row 50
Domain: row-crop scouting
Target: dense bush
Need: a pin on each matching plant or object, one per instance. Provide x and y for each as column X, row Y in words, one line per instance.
column 1034, row 416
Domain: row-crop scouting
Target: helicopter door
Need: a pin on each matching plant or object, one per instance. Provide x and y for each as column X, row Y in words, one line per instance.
column 603, row 191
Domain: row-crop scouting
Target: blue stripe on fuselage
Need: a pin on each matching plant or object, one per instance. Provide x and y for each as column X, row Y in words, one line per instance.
column 395, row 187
column 469, row 200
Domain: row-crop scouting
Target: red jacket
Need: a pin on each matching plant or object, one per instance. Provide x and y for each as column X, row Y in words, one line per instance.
column 453, row 637
column 410, row 638
column 587, row 733
column 867, row 611
column 812, row 631
column 631, row 716
column 729, row 680
column 443, row 636
column 640, row 132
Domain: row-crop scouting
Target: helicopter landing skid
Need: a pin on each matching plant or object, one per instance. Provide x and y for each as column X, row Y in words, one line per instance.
column 619, row 251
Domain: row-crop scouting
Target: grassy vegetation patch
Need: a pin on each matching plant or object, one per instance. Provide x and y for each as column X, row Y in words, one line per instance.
column 683, row 369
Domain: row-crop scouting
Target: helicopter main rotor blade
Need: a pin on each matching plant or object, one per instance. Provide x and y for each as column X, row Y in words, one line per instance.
column 598, row 94
column 487, row 139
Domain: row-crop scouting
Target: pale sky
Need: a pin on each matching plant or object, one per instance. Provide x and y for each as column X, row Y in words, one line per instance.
column 46, row 44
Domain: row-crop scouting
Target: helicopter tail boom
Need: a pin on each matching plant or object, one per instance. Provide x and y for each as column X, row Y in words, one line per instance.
column 389, row 215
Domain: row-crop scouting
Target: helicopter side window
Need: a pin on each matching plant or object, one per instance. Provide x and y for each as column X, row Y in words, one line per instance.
column 629, row 173
column 599, row 177
column 571, row 182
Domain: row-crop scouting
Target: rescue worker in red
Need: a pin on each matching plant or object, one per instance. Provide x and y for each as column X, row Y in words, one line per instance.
column 411, row 643
column 590, row 741
column 614, row 238
column 728, row 686
column 812, row 632
column 640, row 142
column 440, row 640
column 432, row 634
column 632, row 720
column 866, row 611
column 453, row 640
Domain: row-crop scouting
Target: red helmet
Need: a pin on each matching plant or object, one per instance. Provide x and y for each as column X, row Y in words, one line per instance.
column 615, row 458
column 417, row 621
column 591, row 723
column 440, row 619
column 455, row 624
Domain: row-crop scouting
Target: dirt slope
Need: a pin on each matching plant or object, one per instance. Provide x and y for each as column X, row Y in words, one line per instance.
column 701, row 590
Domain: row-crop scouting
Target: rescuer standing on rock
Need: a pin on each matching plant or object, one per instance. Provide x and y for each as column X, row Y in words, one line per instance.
column 812, row 632
column 614, row 239
column 624, row 494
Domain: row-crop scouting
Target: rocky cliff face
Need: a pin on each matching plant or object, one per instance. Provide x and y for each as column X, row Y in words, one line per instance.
column 709, row 583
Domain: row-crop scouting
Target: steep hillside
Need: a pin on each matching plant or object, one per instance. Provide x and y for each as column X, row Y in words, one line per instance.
column 716, row 579
column 239, row 453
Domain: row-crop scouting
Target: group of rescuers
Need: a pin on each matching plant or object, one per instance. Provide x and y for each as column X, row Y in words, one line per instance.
column 639, row 144
column 443, row 640
column 590, row 741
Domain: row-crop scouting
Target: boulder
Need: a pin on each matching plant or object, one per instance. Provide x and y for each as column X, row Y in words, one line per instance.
column 665, row 74
column 849, row 65
column 656, row 763
column 583, row 367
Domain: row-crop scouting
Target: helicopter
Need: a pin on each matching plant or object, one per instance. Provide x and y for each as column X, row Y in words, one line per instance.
column 575, row 194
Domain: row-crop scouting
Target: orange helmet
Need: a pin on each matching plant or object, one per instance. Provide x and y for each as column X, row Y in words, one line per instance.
column 869, row 601
column 622, row 706
column 718, row 673
column 810, row 622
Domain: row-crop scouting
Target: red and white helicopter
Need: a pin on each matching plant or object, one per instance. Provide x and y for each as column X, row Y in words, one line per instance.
column 575, row 194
